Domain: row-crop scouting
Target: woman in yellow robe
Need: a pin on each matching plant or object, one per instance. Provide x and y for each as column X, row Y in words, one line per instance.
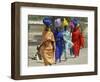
column 47, row 46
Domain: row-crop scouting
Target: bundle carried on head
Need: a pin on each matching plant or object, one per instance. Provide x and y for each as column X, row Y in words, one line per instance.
column 58, row 22
column 47, row 21
column 65, row 22
column 74, row 22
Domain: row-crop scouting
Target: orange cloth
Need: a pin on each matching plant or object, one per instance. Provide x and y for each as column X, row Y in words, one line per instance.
column 47, row 48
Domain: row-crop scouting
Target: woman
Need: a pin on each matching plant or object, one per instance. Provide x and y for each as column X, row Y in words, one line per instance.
column 67, row 38
column 58, row 33
column 47, row 46
column 76, row 41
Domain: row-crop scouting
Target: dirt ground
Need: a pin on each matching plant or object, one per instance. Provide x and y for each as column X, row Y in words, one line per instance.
column 82, row 59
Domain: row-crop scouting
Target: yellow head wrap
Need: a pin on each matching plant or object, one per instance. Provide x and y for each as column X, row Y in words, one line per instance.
column 65, row 22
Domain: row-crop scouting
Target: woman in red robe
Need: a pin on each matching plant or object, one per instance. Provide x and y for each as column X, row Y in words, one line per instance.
column 78, row 41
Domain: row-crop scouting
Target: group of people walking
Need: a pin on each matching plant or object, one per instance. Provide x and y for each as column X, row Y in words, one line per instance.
column 65, row 38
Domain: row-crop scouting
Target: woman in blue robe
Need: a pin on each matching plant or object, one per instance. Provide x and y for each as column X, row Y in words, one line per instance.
column 59, row 41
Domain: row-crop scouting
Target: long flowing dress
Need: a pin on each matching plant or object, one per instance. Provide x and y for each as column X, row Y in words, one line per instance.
column 68, row 42
column 76, row 41
column 47, row 48
column 59, row 45
column 82, row 40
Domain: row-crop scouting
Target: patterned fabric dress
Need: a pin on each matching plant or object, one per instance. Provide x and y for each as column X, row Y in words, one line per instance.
column 47, row 48
column 67, row 41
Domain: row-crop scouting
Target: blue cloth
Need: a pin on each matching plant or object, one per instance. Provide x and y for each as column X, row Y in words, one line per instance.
column 47, row 21
column 59, row 45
